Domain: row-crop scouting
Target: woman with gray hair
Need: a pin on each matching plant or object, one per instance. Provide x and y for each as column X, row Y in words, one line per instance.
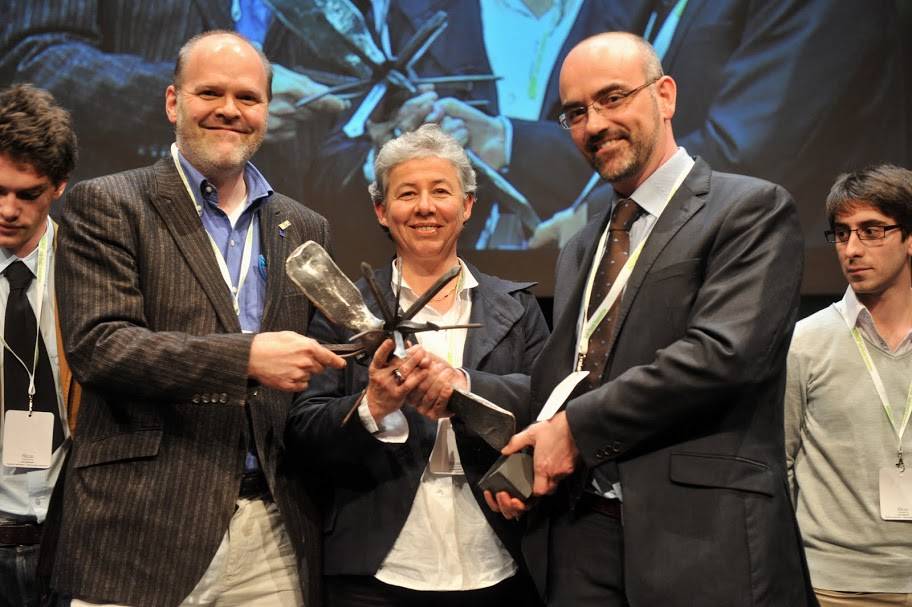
column 405, row 523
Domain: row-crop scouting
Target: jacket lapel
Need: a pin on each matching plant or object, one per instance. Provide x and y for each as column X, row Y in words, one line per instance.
column 179, row 215
column 274, row 245
column 557, row 364
column 682, row 206
column 496, row 310
column 69, row 388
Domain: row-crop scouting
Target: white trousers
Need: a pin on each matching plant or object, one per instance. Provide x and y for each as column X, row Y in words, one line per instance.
column 254, row 566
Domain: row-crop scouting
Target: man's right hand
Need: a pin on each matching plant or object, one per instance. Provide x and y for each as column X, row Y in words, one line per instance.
column 286, row 360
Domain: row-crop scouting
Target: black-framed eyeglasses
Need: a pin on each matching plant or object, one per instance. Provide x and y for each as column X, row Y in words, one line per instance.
column 842, row 235
column 604, row 101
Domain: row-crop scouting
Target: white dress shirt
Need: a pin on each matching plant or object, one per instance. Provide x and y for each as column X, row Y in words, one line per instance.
column 857, row 315
column 446, row 543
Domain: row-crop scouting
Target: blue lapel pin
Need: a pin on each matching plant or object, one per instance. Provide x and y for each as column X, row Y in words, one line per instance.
column 282, row 227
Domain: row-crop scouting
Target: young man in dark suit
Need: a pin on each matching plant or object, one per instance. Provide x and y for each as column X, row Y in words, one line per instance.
column 188, row 338
column 37, row 155
column 663, row 480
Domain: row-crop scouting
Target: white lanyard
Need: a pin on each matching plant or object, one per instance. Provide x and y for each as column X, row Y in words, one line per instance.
column 882, row 393
column 587, row 326
column 44, row 252
column 223, row 266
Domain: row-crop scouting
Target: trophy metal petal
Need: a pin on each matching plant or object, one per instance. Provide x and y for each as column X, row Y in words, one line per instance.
column 314, row 272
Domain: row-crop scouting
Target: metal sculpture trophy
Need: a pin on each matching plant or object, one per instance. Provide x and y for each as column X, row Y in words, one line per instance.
column 314, row 272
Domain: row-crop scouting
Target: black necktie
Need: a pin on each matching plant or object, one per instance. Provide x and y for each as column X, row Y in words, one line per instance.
column 19, row 330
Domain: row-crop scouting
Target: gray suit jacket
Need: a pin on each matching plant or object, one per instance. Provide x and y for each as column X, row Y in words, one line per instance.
column 151, row 334
column 690, row 406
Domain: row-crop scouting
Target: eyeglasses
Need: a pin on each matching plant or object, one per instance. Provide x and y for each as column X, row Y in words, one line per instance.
column 604, row 101
column 842, row 235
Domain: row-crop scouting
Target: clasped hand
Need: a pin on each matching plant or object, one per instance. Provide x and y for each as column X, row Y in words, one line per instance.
column 420, row 379
column 554, row 457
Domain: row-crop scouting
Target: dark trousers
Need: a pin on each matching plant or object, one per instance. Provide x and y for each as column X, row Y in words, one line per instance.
column 18, row 583
column 368, row 591
column 586, row 560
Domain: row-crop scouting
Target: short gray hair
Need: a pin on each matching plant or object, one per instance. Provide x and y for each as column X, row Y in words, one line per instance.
column 428, row 141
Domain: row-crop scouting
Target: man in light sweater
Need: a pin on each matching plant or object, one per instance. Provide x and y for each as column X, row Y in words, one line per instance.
column 848, row 401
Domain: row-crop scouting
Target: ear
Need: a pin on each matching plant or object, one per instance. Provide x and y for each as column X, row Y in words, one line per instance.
column 667, row 93
column 58, row 190
column 171, row 103
column 467, row 207
column 380, row 212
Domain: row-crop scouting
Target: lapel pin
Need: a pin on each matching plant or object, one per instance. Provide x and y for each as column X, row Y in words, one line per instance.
column 282, row 227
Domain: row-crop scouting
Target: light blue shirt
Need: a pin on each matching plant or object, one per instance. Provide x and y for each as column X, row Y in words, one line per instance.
column 25, row 492
column 229, row 239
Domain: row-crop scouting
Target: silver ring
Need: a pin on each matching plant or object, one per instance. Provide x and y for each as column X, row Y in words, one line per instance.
column 398, row 376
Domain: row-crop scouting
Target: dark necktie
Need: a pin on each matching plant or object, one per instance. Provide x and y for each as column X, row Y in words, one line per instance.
column 20, row 328
column 617, row 250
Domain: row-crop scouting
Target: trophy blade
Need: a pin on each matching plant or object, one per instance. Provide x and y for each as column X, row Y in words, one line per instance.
column 493, row 424
column 314, row 272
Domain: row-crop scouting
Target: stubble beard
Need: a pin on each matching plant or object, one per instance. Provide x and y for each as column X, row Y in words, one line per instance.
column 193, row 144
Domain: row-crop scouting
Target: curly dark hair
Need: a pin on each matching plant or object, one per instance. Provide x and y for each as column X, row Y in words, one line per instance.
column 34, row 130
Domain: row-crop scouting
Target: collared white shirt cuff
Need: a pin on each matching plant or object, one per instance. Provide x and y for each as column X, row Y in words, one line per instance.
column 392, row 429
column 467, row 378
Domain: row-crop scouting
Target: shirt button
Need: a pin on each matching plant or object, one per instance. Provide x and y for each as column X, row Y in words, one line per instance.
column 232, row 243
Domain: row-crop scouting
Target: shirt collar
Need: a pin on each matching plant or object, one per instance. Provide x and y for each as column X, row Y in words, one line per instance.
column 855, row 314
column 654, row 193
column 31, row 260
column 466, row 280
column 257, row 186
column 850, row 308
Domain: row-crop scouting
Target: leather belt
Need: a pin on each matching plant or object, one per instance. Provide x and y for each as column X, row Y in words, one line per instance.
column 602, row 505
column 253, row 485
column 24, row 534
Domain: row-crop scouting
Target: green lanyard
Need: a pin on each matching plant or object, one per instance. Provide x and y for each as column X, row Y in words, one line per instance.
column 882, row 393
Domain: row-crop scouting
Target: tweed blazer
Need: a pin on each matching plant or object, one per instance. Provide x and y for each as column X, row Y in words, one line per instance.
column 151, row 334
column 371, row 484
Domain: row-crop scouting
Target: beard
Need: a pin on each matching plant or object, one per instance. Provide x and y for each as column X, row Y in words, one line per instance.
column 633, row 153
column 211, row 156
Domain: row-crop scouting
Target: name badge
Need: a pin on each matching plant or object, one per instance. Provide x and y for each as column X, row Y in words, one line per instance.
column 895, row 494
column 445, row 456
column 27, row 440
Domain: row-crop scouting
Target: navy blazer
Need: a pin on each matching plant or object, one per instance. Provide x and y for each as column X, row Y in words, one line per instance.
column 371, row 484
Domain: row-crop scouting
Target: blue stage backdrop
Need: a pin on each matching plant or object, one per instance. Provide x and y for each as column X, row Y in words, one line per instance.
column 794, row 91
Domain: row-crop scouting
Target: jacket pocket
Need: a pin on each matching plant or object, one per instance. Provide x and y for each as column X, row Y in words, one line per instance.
column 118, row 447
column 721, row 471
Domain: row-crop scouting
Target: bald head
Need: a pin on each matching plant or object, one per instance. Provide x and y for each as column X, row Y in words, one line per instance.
column 620, row 106
column 618, row 47
column 215, row 40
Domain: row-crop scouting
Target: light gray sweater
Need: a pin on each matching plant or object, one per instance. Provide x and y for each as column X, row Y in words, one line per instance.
column 837, row 437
